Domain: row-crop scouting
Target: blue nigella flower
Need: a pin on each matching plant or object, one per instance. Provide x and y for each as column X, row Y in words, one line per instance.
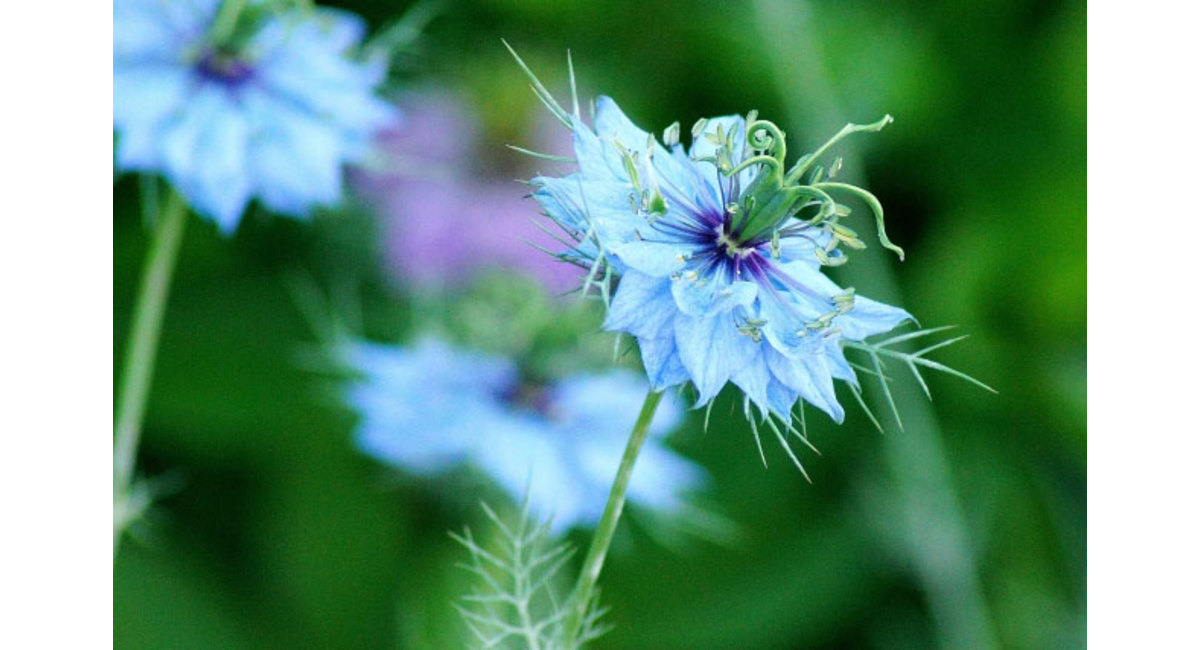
column 430, row 407
column 719, row 254
column 271, row 108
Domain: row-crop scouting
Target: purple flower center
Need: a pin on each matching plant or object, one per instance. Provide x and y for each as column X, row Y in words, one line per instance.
column 224, row 67
column 720, row 251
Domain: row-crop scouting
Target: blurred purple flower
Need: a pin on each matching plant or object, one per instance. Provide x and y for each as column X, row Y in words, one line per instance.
column 443, row 220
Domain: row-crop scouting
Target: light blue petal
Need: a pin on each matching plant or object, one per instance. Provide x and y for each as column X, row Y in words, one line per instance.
column 809, row 376
column 660, row 357
column 153, row 30
column 869, row 317
column 784, row 323
column 530, row 464
column 602, row 151
column 145, row 100
column 427, row 407
column 327, row 85
column 705, row 295
column 694, row 178
column 145, row 95
column 205, row 154
column 663, row 478
column 838, row 366
column 712, row 350
column 818, row 292
column 613, row 125
column 801, row 247
column 585, row 205
column 404, row 434
column 703, row 148
column 781, row 398
column 296, row 160
column 656, row 258
column 753, row 380
column 593, row 155
column 787, row 310
column 642, row 306
column 337, row 30
column 606, row 406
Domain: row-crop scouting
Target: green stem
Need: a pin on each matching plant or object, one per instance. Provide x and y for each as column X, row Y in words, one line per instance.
column 139, row 356
column 581, row 598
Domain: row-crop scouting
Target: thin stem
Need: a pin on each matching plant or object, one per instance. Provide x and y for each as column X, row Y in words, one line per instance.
column 581, row 598
column 140, row 353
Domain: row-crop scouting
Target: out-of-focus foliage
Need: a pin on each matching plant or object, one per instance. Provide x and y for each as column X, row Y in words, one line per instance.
column 282, row 535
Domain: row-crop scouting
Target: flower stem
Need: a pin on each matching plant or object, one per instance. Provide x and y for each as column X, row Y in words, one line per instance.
column 139, row 356
column 581, row 597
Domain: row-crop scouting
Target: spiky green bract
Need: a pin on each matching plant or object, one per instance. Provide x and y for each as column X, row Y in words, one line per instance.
column 516, row 602
column 877, row 351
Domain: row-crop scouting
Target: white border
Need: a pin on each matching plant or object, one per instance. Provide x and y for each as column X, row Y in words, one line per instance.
column 1143, row 172
column 56, row 269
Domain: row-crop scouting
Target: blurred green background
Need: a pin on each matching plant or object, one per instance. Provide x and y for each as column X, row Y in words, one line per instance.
column 280, row 534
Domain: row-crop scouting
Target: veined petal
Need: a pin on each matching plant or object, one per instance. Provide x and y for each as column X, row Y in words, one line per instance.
column 702, row 148
column 613, row 125
column 869, row 317
column 781, row 398
column 642, row 306
column 654, row 258
column 754, row 378
column 808, row 375
column 583, row 205
column 838, row 366
column 712, row 350
column 660, row 357
column 704, row 295
column 801, row 246
column 785, row 324
column 593, row 155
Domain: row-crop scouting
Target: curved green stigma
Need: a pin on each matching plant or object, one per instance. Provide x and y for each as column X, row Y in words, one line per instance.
column 774, row 197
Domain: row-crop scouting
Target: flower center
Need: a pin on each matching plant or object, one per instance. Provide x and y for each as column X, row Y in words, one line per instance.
column 224, row 67
column 727, row 244
column 529, row 396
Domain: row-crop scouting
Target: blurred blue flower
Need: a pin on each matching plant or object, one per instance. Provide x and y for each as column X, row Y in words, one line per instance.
column 270, row 110
column 720, row 281
column 431, row 406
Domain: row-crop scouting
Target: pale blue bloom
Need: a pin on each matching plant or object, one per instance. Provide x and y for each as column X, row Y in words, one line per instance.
column 424, row 407
column 708, row 301
column 431, row 407
column 272, row 113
